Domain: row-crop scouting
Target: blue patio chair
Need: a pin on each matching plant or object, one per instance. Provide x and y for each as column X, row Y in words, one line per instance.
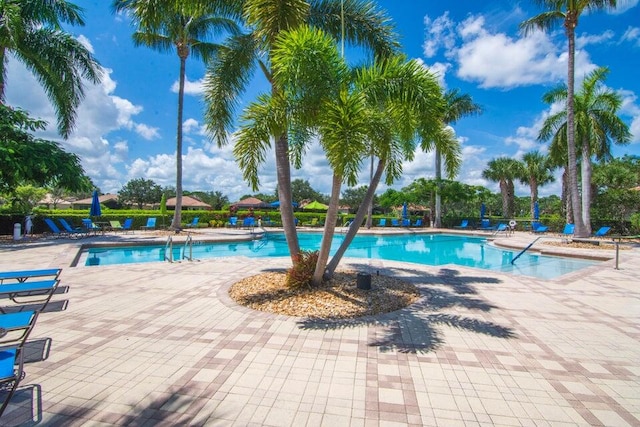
column 55, row 230
column 485, row 224
column 17, row 326
column 602, row 231
column 536, row 227
column 502, row 228
column 193, row 223
column 382, row 222
column 21, row 276
column 90, row 226
column 248, row 223
column 127, row 225
column 418, row 223
column 395, row 222
column 463, row 224
column 151, row 224
column 233, row 221
column 406, row 222
column 73, row 231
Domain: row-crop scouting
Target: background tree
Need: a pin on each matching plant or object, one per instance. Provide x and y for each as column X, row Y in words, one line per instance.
column 32, row 32
column 231, row 70
column 536, row 173
column 301, row 189
column 353, row 197
column 567, row 13
column 597, row 127
column 26, row 197
column 25, row 159
column 186, row 27
column 457, row 106
column 216, row 199
column 140, row 191
column 504, row 170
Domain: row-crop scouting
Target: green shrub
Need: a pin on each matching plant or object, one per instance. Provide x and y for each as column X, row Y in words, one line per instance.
column 302, row 272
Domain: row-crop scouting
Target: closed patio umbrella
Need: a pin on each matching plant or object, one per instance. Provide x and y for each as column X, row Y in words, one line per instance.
column 95, row 210
column 536, row 211
column 483, row 209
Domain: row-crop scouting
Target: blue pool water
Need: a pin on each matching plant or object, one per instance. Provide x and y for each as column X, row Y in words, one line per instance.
column 428, row 249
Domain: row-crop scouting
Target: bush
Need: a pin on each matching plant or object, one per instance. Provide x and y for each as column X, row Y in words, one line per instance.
column 302, row 271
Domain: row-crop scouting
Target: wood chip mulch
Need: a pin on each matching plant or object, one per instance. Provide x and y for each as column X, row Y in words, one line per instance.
column 338, row 298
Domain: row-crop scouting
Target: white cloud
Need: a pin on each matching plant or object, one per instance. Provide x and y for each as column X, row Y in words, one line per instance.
column 190, row 88
column 632, row 35
column 439, row 33
column 587, row 39
column 496, row 60
column 147, row 132
column 623, row 6
column 631, row 109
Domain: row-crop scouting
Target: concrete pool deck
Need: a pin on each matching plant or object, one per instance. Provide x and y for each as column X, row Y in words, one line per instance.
column 163, row 344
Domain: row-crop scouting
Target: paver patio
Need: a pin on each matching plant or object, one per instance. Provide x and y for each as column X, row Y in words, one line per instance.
column 163, row 344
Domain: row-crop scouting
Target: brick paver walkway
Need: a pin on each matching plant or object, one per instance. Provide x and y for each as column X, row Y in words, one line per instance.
column 163, row 344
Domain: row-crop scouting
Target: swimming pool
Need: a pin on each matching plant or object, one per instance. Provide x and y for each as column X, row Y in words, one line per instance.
column 428, row 249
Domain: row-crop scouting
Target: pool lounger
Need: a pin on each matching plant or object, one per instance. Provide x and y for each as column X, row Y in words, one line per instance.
column 16, row 326
column 24, row 275
column 29, row 292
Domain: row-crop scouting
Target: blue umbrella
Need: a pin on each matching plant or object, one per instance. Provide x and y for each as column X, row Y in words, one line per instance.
column 95, row 205
column 276, row 204
column 405, row 209
column 483, row 209
column 536, row 211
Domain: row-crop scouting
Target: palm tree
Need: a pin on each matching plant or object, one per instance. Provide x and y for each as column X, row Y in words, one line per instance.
column 233, row 66
column 536, row 173
column 568, row 12
column 504, row 170
column 184, row 26
column 457, row 106
column 597, row 126
column 31, row 31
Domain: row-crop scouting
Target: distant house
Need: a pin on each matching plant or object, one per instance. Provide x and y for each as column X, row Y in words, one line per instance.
column 50, row 203
column 108, row 200
column 189, row 203
column 250, row 203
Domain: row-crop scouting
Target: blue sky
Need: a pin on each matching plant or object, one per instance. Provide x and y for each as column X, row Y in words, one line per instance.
column 126, row 126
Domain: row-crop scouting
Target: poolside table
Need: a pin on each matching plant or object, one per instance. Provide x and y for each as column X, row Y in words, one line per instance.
column 24, row 275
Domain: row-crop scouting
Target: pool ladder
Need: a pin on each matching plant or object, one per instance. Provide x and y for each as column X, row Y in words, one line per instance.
column 168, row 249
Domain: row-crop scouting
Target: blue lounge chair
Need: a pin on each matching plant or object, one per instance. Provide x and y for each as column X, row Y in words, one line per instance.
column 127, row 225
column 18, row 326
column 395, row 222
column 29, row 292
column 53, row 227
column 151, row 224
column 406, row 222
column 382, row 222
column 463, row 224
column 193, row 223
column 24, row 275
column 233, row 221
column 73, row 231
column 418, row 223
column 248, row 223
column 568, row 230
column 485, row 225
column 602, row 231
column 502, row 227
column 536, row 227
column 90, row 226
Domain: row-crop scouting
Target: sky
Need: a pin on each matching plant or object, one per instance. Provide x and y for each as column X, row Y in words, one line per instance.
column 126, row 125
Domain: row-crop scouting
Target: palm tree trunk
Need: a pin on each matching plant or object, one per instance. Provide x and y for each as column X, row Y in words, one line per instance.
column 369, row 223
column 353, row 229
column 329, row 231
column 580, row 230
column 177, row 216
column 586, row 186
column 283, row 170
column 534, row 194
column 504, row 190
column 438, row 218
column 3, row 70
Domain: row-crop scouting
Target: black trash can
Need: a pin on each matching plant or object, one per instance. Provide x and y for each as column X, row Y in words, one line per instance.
column 363, row 281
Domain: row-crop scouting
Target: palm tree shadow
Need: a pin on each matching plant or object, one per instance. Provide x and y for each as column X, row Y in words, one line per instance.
column 415, row 329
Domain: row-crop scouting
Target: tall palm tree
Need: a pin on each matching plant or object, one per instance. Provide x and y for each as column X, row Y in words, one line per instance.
column 536, row 173
column 457, row 106
column 353, row 113
column 504, row 170
column 185, row 27
column 232, row 69
column 597, row 127
column 567, row 12
column 32, row 32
